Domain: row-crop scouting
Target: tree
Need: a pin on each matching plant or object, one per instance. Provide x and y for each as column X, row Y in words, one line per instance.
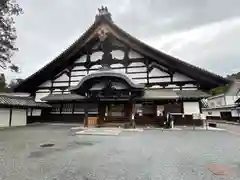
column 13, row 83
column 218, row 90
column 2, row 83
column 8, row 10
column 234, row 76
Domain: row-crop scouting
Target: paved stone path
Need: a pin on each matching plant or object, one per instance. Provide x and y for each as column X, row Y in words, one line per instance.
column 151, row 154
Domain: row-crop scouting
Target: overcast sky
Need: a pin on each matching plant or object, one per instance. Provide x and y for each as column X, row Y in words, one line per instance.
column 205, row 33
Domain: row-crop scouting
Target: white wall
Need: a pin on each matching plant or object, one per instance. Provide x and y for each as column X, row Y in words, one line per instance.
column 36, row 112
column 212, row 112
column 133, row 55
column 40, row 94
column 216, row 102
column 180, row 77
column 191, row 108
column 230, row 100
column 19, row 117
column 156, row 72
column 235, row 113
column 4, row 117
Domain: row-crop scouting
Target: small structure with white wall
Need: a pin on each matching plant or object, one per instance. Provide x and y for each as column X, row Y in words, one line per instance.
column 224, row 106
column 16, row 107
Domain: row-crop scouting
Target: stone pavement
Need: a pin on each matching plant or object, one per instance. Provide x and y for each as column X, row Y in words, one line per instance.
column 154, row 154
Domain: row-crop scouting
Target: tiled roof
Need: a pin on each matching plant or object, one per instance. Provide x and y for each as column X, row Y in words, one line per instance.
column 159, row 94
column 192, row 94
column 19, row 101
column 149, row 94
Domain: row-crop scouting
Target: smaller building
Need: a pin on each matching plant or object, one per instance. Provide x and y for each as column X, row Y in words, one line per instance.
column 224, row 106
column 16, row 109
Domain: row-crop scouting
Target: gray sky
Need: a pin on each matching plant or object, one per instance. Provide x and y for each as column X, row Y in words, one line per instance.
column 205, row 33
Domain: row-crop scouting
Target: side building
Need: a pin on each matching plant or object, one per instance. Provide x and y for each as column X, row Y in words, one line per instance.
column 109, row 76
column 224, row 106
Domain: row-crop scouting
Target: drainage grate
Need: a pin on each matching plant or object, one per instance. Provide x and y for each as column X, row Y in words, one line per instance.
column 47, row 145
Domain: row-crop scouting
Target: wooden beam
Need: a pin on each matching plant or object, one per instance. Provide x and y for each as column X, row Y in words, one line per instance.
column 61, row 106
column 85, row 116
column 10, row 117
column 182, row 107
column 73, row 107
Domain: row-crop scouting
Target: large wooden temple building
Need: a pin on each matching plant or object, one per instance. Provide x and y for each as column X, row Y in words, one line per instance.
column 109, row 76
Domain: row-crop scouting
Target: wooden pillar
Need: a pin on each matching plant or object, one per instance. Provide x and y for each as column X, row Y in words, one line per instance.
column 101, row 113
column 130, row 113
column 73, row 107
column 10, row 117
column 85, row 116
column 155, row 109
column 182, row 108
column 61, row 106
column 200, row 106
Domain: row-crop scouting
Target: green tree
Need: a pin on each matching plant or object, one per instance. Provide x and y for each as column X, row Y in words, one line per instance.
column 13, row 83
column 8, row 10
column 218, row 90
column 2, row 83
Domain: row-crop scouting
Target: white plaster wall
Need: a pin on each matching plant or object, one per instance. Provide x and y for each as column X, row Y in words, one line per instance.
column 73, row 83
column 140, row 81
column 77, row 78
column 63, row 77
column 214, row 112
column 77, row 73
column 97, row 66
column 235, row 113
column 160, row 80
column 57, row 91
column 133, row 55
column 66, row 91
column 92, row 71
column 216, row 102
column 136, row 64
column 4, row 117
column 116, row 66
column 230, row 100
column 173, row 86
column 19, row 117
column 156, row 72
column 96, row 56
column 137, row 69
column 40, row 95
column 29, row 112
column 79, row 68
column 46, row 84
column 156, row 87
column 118, row 54
column 191, row 108
column 60, row 84
column 122, row 70
column 180, row 77
column 36, row 112
column 81, row 59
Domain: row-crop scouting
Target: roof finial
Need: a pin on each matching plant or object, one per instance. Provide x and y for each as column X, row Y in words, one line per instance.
column 103, row 12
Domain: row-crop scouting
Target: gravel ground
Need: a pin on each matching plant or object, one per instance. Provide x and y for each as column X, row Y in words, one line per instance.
column 152, row 154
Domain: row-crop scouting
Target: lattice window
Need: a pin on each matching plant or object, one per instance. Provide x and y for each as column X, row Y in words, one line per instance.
column 67, row 108
column 56, row 108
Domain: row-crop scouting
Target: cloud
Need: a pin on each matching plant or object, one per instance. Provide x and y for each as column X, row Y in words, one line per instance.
column 205, row 33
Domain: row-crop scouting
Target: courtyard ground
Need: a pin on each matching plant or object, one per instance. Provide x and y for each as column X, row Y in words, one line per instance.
column 151, row 154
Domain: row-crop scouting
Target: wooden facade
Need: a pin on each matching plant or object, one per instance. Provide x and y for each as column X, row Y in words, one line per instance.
column 111, row 75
